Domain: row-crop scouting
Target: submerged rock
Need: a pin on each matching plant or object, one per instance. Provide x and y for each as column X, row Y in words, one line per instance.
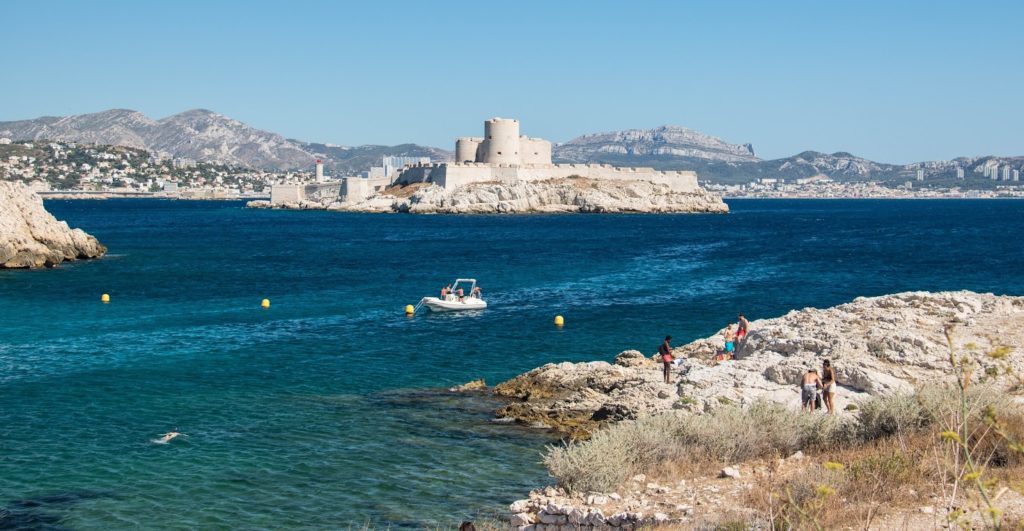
column 30, row 237
column 475, row 385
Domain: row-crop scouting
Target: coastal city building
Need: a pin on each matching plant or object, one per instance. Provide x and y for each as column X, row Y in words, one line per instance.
column 959, row 173
column 70, row 169
column 390, row 165
column 1016, row 175
column 920, row 174
column 1006, row 173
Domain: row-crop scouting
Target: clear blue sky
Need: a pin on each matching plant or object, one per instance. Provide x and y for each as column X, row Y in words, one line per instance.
column 895, row 83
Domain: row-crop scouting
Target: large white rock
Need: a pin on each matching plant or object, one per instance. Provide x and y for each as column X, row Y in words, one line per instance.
column 554, row 195
column 31, row 237
column 878, row 346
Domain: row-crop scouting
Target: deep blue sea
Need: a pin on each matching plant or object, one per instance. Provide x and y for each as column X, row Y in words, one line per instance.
column 327, row 410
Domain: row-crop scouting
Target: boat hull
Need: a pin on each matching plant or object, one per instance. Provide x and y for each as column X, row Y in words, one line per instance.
column 469, row 303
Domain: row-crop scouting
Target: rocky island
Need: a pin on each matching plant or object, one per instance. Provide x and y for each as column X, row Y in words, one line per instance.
column 563, row 195
column 30, row 237
column 709, row 437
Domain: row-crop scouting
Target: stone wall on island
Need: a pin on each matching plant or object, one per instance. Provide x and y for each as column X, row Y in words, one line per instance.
column 568, row 195
column 30, row 237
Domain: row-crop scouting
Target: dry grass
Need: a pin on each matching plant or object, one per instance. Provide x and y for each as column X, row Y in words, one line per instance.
column 853, row 486
column 405, row 191
column 891, row 452
column 650, row 445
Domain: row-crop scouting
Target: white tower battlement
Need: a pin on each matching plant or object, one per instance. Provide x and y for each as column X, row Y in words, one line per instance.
column 466, row 149
column 501, row 141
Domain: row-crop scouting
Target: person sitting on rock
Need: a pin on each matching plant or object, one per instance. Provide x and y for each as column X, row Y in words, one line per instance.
column 666, row 358
column 810, row 382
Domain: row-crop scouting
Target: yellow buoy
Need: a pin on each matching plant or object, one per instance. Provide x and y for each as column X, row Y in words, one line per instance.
column 265, row 303
column 409, row 309
column 104, row 298
column 559, row 320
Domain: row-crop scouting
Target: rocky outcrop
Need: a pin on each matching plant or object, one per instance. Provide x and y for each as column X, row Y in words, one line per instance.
column 878, row 345
column 549, row 196
column 31, row 237
column 475, row 385
column 641, row 503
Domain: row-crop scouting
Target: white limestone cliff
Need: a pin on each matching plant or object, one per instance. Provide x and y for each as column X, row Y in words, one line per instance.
column 31, row 237
column 570, row 195
column 878, row 345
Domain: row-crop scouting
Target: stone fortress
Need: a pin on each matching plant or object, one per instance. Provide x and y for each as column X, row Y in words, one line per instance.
column 503, row 155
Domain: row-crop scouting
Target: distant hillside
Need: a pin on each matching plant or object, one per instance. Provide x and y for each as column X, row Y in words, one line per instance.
column 665, row 143
column 198, row 134
column 205, row 136
column 352, row 160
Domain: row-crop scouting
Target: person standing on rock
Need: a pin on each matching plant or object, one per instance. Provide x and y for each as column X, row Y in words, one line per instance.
column 730, row 342
column 828, row 382
column 809, row 385
column 742, row 326
column 666, row 358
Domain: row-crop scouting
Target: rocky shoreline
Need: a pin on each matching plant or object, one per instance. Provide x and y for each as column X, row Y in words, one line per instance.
column 879, row 346
column 30, row 237
column 570, row 195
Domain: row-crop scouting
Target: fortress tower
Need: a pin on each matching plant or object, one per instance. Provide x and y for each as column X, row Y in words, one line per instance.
column 466, row 149
column 502, row 144
column 501, row 141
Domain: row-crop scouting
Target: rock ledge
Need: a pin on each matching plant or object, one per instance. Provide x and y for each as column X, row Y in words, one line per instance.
column 30, row 237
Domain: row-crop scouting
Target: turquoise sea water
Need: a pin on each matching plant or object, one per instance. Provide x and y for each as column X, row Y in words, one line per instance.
column 328, row 410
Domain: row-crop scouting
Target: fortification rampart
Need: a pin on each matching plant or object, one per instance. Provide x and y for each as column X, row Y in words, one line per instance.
column 503, row 155
column 453, row 175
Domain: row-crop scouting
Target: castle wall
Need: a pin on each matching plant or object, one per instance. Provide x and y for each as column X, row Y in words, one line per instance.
column 504, row 156
column 450, row 176
column 287, row 193
column 534, row 151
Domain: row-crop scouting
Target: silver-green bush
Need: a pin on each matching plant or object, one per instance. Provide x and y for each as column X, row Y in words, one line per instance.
column 732, row 434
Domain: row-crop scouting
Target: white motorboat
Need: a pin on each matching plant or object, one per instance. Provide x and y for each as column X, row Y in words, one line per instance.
column 458, row 298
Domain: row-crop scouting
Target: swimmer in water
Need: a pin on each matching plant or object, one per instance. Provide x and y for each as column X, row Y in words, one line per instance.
column 169, row 436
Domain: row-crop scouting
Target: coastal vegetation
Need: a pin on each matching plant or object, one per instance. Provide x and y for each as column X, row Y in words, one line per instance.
column 951, row 448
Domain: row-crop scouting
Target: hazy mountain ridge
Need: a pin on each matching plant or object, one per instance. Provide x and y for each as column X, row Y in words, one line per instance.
column 668, row 140
column 207, row 136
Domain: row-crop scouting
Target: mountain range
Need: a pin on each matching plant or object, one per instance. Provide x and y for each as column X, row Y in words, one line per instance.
column 204, row 135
